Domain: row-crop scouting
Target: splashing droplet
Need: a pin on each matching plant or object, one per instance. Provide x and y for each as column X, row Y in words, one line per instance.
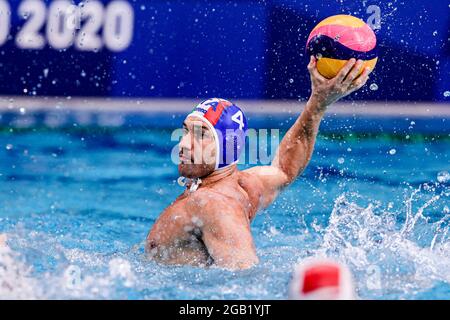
column 443, row 176
column 373, row 87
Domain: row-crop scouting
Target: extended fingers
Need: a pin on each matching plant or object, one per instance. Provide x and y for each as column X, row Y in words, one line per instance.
column 361, row 80
column 312, row 62
column 354, row 72
column 312, row 68
column 345, row 70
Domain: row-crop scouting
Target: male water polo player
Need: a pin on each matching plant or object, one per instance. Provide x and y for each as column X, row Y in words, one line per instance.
column 209, row 223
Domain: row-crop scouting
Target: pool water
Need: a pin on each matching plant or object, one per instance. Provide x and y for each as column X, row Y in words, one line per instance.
column 77, row 204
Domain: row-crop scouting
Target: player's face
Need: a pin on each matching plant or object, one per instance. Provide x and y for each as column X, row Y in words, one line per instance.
column 197, row 149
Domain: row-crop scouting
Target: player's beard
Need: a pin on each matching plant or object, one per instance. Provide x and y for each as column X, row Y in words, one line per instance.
column 191, row 170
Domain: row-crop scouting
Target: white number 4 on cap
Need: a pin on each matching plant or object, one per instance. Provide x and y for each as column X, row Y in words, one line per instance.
column 238, row 117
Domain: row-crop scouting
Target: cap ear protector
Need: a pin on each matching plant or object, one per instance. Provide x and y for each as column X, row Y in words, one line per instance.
column 229, row 126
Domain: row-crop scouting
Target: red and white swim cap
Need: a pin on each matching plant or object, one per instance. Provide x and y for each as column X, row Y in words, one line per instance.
column 321, row 279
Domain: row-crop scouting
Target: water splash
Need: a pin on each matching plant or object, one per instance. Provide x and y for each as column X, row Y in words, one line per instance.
column 15, row 279
column 392, row 253
column 73, row 277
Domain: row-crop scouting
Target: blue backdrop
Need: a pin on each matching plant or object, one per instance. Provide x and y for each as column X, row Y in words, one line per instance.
column 232, row 49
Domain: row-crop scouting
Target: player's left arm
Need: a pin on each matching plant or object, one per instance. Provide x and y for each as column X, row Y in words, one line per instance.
column 296, row 148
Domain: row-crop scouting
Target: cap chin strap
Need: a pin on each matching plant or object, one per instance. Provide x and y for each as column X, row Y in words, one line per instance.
column 194, row 183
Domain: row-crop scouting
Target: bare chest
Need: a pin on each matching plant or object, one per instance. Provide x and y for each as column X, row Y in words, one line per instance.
column 176, row 237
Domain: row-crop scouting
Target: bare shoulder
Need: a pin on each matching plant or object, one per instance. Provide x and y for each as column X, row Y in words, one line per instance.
column 252, row 184
column 215, row 209
column 251, row 178
column 267, row 181
column 264, row 173
column 207, row 201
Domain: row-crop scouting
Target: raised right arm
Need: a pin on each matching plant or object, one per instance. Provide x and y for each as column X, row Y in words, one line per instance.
column 296, row 148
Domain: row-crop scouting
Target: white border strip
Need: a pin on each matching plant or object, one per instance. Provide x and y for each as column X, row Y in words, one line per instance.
column 95, row 104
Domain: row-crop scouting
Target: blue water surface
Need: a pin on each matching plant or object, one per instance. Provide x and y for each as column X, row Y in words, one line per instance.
column 76, row 204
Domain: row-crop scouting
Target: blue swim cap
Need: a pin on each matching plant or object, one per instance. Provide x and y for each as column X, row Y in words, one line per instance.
column 228, row 124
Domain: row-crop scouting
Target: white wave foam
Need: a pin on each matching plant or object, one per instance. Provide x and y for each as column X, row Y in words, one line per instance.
column 15, row 279
column 391, row 252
